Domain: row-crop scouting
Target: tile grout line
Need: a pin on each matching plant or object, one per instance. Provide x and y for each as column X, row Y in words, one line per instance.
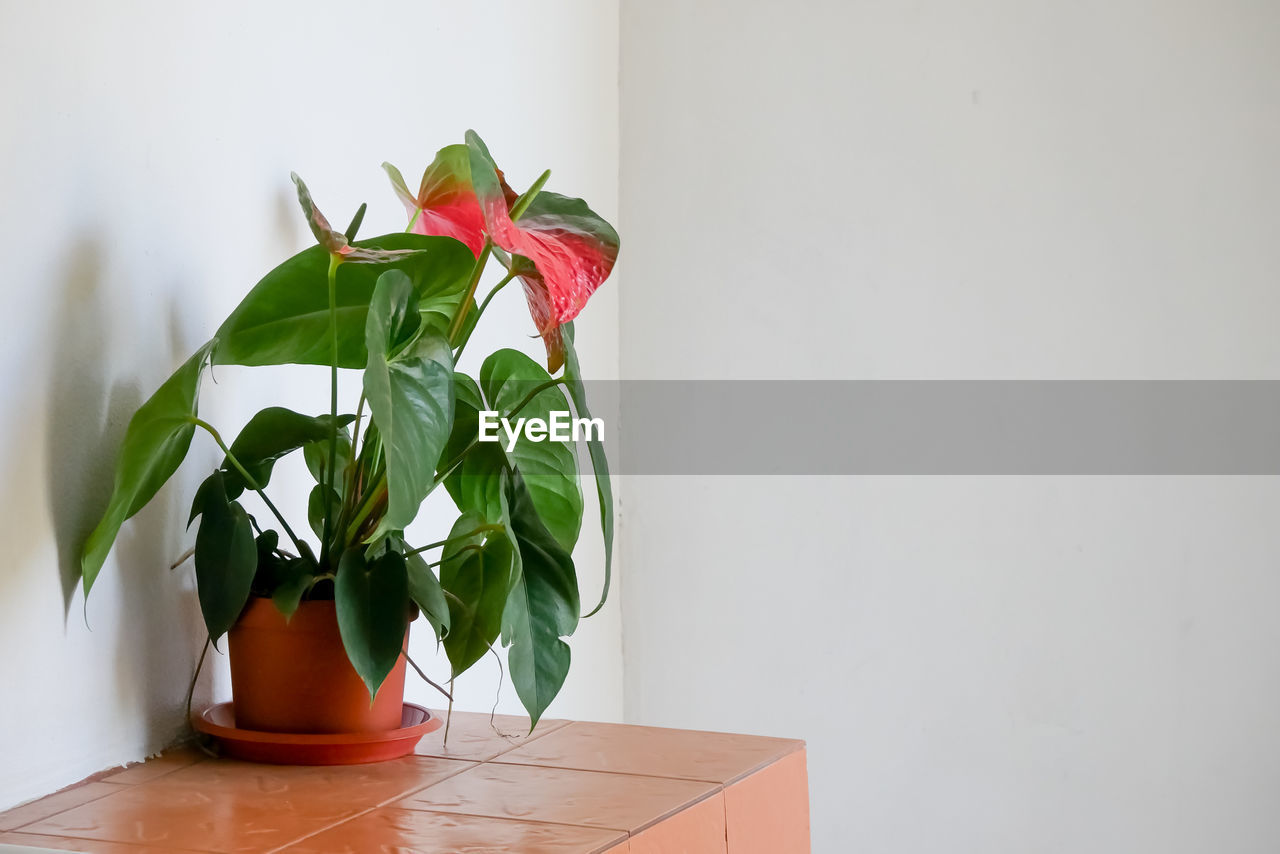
column 435, row 810
column 304, row 837
column 103, row 776
column 798, row 747
column 735, row 779
column 626, row 834
column 510, row 747
column 528, row 739
column 90, row 841
column 19, row 828
column 412, row 792
column 718, row 790
column 159, row 776
column 724, row 802
column 470, row 764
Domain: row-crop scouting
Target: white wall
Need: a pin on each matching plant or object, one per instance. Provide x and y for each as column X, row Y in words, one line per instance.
column 840, row 190
column 145, row 151
column 989, row 189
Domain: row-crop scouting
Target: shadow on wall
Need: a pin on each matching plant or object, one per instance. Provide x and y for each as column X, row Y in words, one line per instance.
column 156, row 643
column 85, row 422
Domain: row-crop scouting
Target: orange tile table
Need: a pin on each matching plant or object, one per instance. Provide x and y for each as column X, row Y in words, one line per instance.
column 569, row 788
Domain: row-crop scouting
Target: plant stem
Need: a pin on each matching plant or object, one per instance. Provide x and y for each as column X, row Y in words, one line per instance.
column 371, row 498
column 480, row 313
column 426, row 678
column 349, row 480
column 497, row 695
column 465, row 306
column 191, row 690
column 248, row 480
column 355, row 430
column 448, row 716
column 470, row 547
column 539, row 389
column 482, row 529
column 334, row 262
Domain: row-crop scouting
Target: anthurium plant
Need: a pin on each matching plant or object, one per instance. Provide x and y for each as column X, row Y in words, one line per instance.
column 401, row 308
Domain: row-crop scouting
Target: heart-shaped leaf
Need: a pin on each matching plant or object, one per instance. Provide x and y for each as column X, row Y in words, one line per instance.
column 599, row 462
column 409, row 386
column 285, row 318
column 226, row 558
column 542, row 608
column 316, row 508
column 549, row 468
column 292, row 581
column 155, row 444
column 477, row 573
column 425, row 591
column 316, row 455
column 372, row 600
column 472, row 474
column 271, row 434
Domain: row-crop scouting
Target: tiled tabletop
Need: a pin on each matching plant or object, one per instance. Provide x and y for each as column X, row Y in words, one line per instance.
column 569, row 788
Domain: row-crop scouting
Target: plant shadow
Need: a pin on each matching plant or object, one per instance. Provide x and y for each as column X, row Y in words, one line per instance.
column 87, row 416
column 85, row 421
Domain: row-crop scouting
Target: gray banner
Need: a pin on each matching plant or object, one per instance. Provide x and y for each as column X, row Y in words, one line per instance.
column 940, row 427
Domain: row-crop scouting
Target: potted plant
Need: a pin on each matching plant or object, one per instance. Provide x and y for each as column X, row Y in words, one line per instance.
column 318, row 619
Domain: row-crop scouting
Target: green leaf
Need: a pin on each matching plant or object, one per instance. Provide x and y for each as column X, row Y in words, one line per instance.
column 268, row 541
column 285, row 318
column 284, row 579
column 316, row 455
column 271, row 434
column 226, row 558
column 155, row 444
column 542, row 608
column 475, row 483
column 438, row 307
column 550, row 469
column 316, row 508
column 599, row 462
column 373, row 612
column 477, row 573
column 425, row 590
column 409, row 386
column 211, row 482
column 293, row 579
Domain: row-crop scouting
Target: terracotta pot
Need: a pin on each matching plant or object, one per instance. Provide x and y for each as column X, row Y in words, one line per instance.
column 295, row 676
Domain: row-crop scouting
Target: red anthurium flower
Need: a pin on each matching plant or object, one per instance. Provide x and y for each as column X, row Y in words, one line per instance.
column 335, row 241
column 572, row 250
column 561, row 250
column 566, row 253
column 541, row 310
column 446, row 204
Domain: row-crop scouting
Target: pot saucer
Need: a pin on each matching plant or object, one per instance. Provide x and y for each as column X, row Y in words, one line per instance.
column 296, row 748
